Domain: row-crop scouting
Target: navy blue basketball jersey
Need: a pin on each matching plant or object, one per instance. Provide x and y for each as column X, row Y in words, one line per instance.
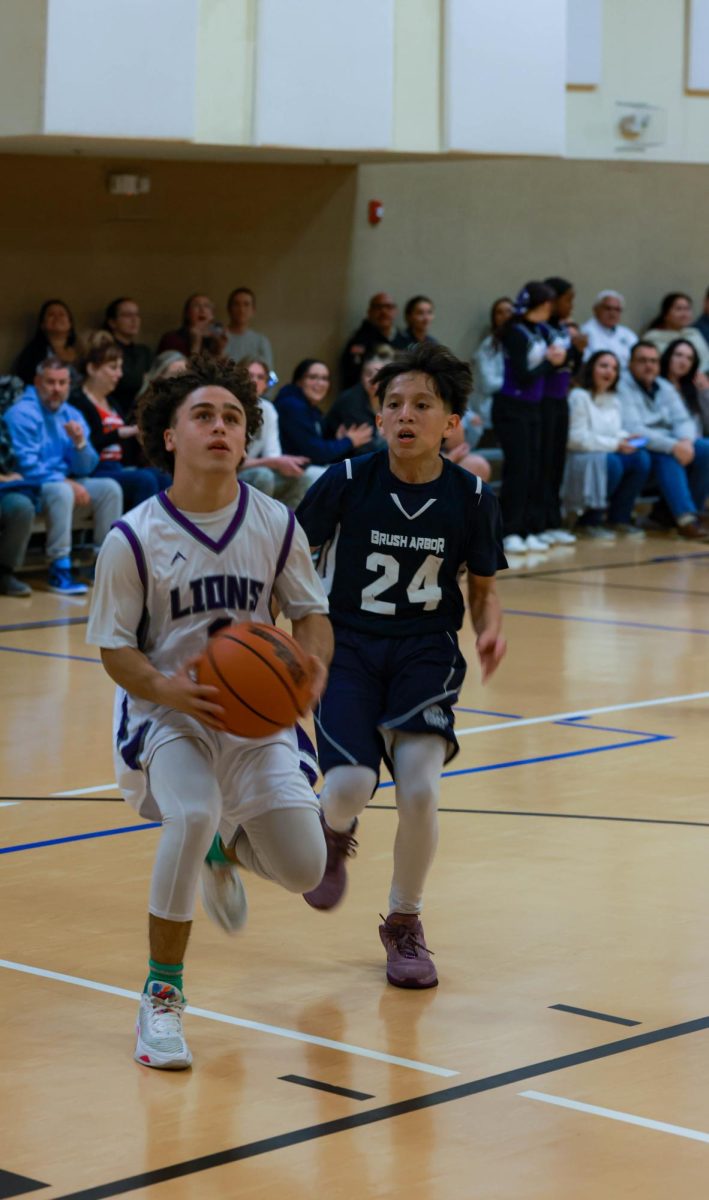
column 389, row 552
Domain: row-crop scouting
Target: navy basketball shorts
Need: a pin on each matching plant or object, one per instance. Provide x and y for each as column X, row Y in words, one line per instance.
column 378, row 684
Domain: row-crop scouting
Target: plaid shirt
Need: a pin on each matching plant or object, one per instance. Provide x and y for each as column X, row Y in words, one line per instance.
column 11, row 388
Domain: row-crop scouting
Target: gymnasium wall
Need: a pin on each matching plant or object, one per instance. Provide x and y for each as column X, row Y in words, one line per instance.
column 463, row 232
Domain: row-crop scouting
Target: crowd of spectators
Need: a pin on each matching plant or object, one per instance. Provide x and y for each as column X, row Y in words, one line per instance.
column 581, row 418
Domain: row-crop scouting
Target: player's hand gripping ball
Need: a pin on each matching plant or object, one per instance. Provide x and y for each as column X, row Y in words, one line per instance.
column 263, row 678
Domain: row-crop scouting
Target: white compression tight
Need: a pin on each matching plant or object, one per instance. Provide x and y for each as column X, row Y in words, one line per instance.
column 418, row 761
column 284, row 845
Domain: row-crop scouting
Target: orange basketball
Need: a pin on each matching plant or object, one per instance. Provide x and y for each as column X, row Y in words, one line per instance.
column 262, row 675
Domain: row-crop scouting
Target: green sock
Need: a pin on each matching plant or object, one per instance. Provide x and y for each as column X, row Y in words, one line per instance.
column 216, row 853
column 164, row 973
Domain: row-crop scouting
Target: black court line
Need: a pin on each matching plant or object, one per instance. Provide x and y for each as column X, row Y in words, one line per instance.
column 608, row 566
column 517, row 812
column 43, row 625
column 387, row 1112
column 17, row 1185
column 627, row 587
column 587, row 1012
column 326, row 1087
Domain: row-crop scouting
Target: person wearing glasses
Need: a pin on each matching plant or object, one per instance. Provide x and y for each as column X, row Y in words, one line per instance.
column 604, row 330
column 300, row 420
column 377, row 329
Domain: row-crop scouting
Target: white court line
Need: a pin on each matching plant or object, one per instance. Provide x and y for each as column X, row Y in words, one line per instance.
column 102, row 787
column 629, row 1118
column 582, row 712
column 294, row 1035
column 8, row 803
column 516, row 724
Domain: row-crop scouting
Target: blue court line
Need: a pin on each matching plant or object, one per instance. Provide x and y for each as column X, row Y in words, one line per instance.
column 44, row 624
column 521, row 612
column 49, row 654
column 643, row 740
column 80, row 837
column 487, row 712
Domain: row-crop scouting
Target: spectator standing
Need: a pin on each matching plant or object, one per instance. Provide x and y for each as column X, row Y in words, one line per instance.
column 679, row 365
column 603, row 463
column 702, row 322
column 516, row 415
column 198, row 331
column 489, row 364
column 300, row 422
column 266, row 467
column 122, row 320
column 604, row 331
column 17, row 499
column 377, row 329
column 555, row 410
column 51, row 443
column 680, row 460
column 675, row 320
column 419, row 315
column 359, row 404
column 55, row 335
column 243, row 341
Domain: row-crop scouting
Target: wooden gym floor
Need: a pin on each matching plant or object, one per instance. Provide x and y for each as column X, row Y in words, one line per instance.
column 565, row 1055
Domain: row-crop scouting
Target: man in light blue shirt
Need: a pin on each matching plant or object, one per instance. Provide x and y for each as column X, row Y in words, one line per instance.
column 654, row 410
column 50, row 439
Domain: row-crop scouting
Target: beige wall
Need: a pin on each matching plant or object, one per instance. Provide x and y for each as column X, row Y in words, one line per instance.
column 463, row 232
column 467, row 232
column 284, row 230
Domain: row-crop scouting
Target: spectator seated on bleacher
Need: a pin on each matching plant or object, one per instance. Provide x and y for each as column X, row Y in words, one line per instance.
column 605, row 469
column 679, row 365
column 17, row 501
column 675, row 320
column 50, row 440
column 377, row 329
column 55, row 335
column 300, row 422
column 266, row 467
column 489, row 369
column 604, row 330
column 108, row 432
column 419, row 315
column 198, row 332
column 358, row 405
column 122, row 320
column 241, row 340
column 653, row 410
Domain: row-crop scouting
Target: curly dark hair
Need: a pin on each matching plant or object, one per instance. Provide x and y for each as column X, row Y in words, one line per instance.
column 157, row 406
column 452, row 378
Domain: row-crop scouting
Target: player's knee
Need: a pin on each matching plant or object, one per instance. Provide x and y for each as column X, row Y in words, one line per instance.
column 418, row 801
column 304, row 869
column 196, row 824
column 348, row 789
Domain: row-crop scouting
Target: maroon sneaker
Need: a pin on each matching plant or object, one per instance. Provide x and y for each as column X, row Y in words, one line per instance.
column 332, row 886
column 409, row 962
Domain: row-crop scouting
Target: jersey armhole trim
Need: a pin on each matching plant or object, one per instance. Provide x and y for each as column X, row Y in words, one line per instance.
column 348, row 468
column 287, row 543
column 137, row 549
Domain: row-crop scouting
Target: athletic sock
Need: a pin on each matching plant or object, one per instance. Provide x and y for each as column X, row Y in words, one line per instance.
column 217, row 853
column 164, row 973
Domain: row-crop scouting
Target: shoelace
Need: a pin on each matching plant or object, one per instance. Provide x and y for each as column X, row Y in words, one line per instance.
column 345, row 843
column 406, row 943
column 165, row 1020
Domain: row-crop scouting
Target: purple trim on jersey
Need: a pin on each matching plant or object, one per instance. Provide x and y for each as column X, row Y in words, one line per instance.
column 198, row 534
column 287, row 543
column 137, row 549
column 130, row 752
column 308, row 756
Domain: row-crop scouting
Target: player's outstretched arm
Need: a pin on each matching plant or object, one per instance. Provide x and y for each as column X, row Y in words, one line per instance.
column 313, row 634
column 486, row 615
column 130, row 669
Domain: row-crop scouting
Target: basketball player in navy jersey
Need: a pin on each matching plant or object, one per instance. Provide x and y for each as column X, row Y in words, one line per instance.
column 391, row 532
column 208, row 551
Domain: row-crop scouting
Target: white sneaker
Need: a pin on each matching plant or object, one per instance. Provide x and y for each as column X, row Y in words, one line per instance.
column 558, row 537
column 535, row 544
column 514, row 544
column 161, row 1042
column 223, row 896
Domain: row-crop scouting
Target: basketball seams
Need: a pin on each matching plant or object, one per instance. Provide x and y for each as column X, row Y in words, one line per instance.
column 239, row 642
column 229, row 688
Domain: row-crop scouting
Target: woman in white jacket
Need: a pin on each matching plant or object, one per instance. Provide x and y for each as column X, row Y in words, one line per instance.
column 606, row 466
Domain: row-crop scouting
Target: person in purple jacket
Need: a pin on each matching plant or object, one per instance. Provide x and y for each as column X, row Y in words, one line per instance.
column 555, row 410
column 300, row 423
column 529, row 355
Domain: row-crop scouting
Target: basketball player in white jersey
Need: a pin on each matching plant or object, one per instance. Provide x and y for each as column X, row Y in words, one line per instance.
column 208, row 551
